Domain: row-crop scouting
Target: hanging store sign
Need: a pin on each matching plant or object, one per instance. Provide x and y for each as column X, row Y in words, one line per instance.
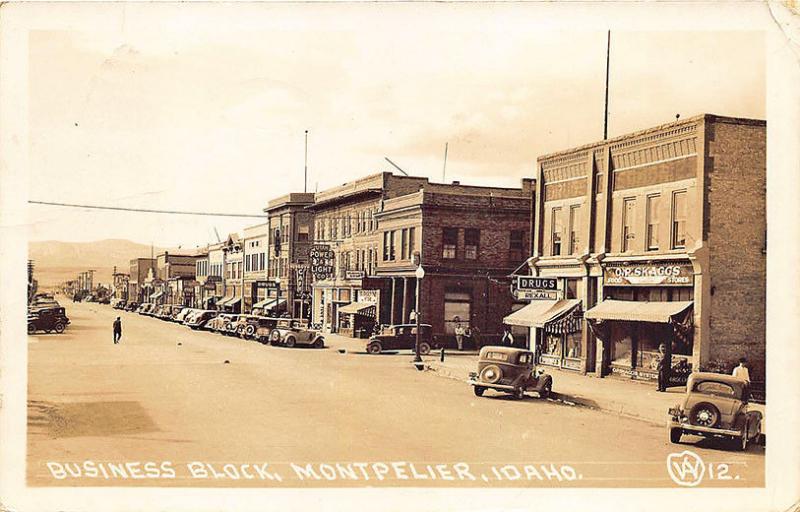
column 536, row 288
column 370, row 296
column 354, row 274
column 322, row 262
column 666, row 274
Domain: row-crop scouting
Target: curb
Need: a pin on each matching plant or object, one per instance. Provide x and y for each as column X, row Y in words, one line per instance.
column 441, row 371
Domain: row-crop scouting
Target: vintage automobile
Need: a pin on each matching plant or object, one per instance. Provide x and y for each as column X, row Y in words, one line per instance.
column 264, row 329
column 47, row 320
column 292, row 332
column 509, row 370
column 166, row 312
column 120, row 304
column 131, row 306
column 142, row 307
column 199, row 319
column 220, row 322
column 401, row 336
column 181, row 314
column 247, row 325
column 716, row 405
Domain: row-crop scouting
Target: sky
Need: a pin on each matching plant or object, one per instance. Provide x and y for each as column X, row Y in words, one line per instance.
column 214, row 120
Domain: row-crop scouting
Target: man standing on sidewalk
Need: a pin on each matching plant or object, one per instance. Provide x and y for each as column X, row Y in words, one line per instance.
column 741, row 371
column 117, row 330
column 459, row 336
column 664, row 366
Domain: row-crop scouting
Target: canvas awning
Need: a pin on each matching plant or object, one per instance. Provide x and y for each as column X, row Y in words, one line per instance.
column 356, row 307
column 633, row 311
column 274, row 304
column 224, row 301
column 233, row 301
column 540, row 312
column 156, row 295
column 263, row 302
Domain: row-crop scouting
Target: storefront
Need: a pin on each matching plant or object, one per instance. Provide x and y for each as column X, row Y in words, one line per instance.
column 647, row 315
column 556, row 328
column 357, row 319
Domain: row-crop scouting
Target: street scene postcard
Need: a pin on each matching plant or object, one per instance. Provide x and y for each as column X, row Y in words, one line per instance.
column 435, row 256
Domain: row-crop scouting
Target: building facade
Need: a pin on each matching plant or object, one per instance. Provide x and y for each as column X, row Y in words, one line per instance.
column 291, row 235
column 175, row 276
column 120, row 284
column 139, row 268
column 254, row 277
column 468, row 239
column 652, row 245
column 346, row 228
column 232, row 284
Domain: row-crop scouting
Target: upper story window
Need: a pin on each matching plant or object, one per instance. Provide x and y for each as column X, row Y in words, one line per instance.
column 449, row 242
column 574, row 228
column 679, row 220
column 404, row 244
column 653, row 205
column 411, row 242
column 471, row 242
column 628, row 216
column 303, row 233
column 557, row 228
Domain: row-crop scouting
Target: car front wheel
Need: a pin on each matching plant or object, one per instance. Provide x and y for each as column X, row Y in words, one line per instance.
column 675, row 435
column 546, row 390
column 290, row 341
column 59, row 328
column 478, row 390
column 319, row 343
column 424, row 349
column 31, row 328
column 374, row 348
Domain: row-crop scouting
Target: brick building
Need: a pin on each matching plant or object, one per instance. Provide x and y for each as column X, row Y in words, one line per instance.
column 469, row 239
column 653, row 241
column 174, row 279
column 345, row 223
column 254, row 277
column 232, row 268
column 139, row 269
column 291, row 234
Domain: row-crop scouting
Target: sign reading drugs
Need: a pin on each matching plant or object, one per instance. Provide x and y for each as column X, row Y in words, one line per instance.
column 322, row 262
column 536, row 288
column 663, row 274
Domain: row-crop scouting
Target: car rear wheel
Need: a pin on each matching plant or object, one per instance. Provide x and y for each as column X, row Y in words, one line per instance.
column 249, row 330
column 478, row 390
column 675, row 435
column 424, row 348
column 275, row 337
column 31, row 328
column 546, row 390
column 491, row 374
column 374, row 348
column 319, row 343
column 704, row 414
column 290, row 341
column 59, row 328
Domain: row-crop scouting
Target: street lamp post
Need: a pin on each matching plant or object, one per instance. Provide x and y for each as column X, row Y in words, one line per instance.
column 419, row 274
column 277, row 292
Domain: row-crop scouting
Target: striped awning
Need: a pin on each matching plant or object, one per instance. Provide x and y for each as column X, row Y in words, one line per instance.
column 224, row 301
column 356, row 307
column 540, row 312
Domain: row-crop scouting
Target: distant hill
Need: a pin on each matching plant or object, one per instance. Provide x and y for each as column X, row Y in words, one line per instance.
column 59, row 261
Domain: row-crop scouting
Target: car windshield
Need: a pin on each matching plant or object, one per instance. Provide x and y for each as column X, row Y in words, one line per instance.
column 715, row 388
column 496, row 356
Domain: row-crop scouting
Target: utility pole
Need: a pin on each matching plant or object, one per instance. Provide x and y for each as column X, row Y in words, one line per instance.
column 305, row 172
column 608, row 60
column 444, row 168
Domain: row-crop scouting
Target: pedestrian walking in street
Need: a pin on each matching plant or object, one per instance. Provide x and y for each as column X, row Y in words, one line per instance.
column 741, row 370
column 117, row 330
column 664, row 367
column 460, row 336
column 508, row 338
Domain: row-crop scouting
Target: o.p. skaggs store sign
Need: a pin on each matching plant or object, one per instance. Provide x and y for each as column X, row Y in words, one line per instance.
column 666, row 274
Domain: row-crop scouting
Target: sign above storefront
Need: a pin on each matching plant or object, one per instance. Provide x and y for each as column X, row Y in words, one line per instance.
column 322, row 262
column 661, row 274
column 265, row 284
column 354, row 274
column 536, row 288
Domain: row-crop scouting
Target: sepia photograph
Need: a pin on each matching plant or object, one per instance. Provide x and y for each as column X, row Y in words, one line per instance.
column 440, row 249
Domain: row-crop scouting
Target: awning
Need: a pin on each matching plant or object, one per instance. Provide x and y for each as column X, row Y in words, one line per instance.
column 356, row 307
column 224, row 301
column 274, row 304
column 156, row 295
column 633, row 311
column 540, row 312
column 234, row 301
column 262, row 303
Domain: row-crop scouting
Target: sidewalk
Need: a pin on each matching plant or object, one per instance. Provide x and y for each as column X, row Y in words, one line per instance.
column 632, row 399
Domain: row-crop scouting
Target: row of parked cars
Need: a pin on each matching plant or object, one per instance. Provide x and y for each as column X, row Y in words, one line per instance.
column 289, row 332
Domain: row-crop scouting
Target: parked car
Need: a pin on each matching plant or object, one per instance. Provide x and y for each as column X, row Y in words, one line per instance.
column 118, row 304
column 400, row 337
column 180, row 315
column 716, row 405
column 264, row 328
column 220, row 322
column 132, row 306
column 143, row 306
column 165, row 312
column 199, row 319
column 509, row 370
column 245, row 326
column 292, row 332
column 47, row 320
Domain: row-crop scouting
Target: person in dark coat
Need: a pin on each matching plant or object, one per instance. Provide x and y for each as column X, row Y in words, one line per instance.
column 117, row 330
column 664, row 367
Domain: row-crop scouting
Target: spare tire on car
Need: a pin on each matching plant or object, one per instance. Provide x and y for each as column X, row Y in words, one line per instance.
column 491, row 374
column 704, row 414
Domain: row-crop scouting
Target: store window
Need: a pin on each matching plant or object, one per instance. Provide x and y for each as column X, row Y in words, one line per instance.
column 572, row 345
column 556, row 230
column 449, row 242
column 679, row 220
column 471, row 241
column 574, row 226
column 457, row 310
column 552, row 345
column 653, row 205
column 628, row 216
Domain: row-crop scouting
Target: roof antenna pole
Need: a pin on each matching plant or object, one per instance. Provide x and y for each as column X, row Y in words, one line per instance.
column 395, row 166
column 608, row 60
column 444, row 167
column 305, row 172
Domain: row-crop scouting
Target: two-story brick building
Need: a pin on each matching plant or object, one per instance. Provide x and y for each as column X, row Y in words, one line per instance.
column 139, row 268
column 291, row 229
column 345, row 223
column 469, row 239
column 254, row 278
column 233, row 273
column 655, row 240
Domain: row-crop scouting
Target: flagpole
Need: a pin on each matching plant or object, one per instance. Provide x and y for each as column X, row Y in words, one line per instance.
column 305, row 171
column 605, row 112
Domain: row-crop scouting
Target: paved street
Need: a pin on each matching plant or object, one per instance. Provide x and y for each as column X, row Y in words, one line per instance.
column 165, row 402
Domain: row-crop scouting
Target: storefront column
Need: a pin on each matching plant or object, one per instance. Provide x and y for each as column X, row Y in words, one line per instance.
column 702, row 298
column 394, row 294
column 404, row 318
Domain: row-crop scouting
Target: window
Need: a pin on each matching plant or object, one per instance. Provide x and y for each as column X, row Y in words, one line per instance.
column 572, row 288
column 628, row 214
column 598, row 183
column 653, row 203
column 471, row 239
column 302, row 233
column 516, row 241
column 385, row 246
column 556, row 229
column 411, row 242
column 449, row 242
column 261, row 263
column 573, row 229
column 404, row 244
column 679, row 220
column 392, row 246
